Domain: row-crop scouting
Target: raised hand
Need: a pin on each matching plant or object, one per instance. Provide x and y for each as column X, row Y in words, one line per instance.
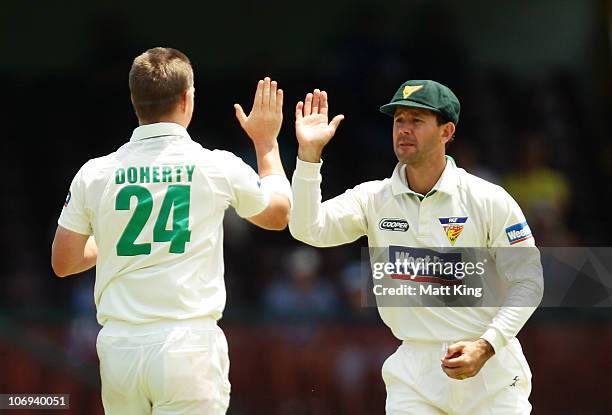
column 311, row 126
column 264, row 121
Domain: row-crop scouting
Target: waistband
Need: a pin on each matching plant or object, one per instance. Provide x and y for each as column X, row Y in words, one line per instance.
column 438, row 346
column 120, row 328
column 442, row 344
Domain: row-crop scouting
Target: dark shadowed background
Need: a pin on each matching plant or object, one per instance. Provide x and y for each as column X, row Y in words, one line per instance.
column 534, row 79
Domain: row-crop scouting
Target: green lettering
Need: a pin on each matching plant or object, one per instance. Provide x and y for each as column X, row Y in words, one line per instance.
column 155, row 174
column 190, row 170
column 132, row 174
column 176, row 203
column 145, row 174
column 166, row 174
column 178, row 170
column 177, row 197
column 120, row 176
column 127, row 246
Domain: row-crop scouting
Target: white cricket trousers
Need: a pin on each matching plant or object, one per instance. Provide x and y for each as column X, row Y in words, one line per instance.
column 167, row 367
column 416, row 384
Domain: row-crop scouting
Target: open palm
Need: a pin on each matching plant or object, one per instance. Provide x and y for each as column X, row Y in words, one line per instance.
column 311, row 122
column 264, row 121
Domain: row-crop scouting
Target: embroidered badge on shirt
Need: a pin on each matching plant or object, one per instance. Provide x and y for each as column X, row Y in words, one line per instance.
column 453, row 226
column 395, row 225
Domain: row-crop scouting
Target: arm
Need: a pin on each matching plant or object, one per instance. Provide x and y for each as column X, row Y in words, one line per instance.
column 519, row 263
column 334, row 222
column 262, row 126
column 517, row 259
column 72, row 252
column 339, row 220
column 73, row 249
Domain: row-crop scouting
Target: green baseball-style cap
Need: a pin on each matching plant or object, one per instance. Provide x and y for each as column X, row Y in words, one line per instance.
column 425, row 94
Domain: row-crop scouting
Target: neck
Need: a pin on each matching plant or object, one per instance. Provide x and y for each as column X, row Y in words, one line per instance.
column 422, row 177
column 176, row 119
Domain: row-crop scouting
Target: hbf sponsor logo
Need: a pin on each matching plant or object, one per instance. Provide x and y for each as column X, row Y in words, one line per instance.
column 453, row 226
column 395, row 225
column 518, row 233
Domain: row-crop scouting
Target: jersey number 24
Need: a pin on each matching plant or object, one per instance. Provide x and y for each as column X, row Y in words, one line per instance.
column 177, row 197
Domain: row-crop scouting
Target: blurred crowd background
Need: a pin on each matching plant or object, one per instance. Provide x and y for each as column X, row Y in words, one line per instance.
column 535, row 82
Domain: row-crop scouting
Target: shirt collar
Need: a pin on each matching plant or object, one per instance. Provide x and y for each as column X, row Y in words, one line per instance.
column 159, row 129
column 447, row 183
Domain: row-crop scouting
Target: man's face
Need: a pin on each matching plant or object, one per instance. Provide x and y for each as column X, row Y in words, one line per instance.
column 417, row 136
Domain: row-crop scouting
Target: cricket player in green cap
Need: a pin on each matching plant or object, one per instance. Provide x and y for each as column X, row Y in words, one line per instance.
column 452, row 360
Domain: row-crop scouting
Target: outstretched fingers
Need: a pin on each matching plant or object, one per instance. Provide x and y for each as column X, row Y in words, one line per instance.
column 266, row 93
column 299, row 107
column 323, row 108
column 272, row 101
column 316, row 98
column 258, row 95
column 240, row 115
column 308, row 105
column 335, row 122
column 279, row 101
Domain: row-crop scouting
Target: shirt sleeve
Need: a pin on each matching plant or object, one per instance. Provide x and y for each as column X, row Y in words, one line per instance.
column 75, row 215
column 336, row 221
column 517, row 260
column 247, row 197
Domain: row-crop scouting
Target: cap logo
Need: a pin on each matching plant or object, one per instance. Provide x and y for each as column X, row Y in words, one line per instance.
column 411, row 89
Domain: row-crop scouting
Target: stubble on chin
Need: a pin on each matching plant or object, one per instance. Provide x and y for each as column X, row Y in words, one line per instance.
column 407, row 159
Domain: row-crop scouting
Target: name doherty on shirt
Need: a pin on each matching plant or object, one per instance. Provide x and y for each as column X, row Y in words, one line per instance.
column 154, row 174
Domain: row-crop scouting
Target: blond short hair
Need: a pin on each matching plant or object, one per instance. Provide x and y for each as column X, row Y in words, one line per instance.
column 158, row 79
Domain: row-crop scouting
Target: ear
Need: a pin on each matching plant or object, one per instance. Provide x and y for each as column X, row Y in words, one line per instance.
column 184, row 101
column 448, row 131
column 187, row 98
column 140, row 122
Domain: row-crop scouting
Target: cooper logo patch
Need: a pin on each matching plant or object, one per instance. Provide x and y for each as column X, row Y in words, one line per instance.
column 518, row 233
column 395, row 225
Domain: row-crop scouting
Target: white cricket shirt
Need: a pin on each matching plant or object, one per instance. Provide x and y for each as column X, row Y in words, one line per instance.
column 461, row 210
column 155, row 207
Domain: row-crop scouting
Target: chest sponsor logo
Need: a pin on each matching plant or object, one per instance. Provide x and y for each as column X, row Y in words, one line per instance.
column 425, row 265
column 453, row 226
column 518, row 233
column 395, row 225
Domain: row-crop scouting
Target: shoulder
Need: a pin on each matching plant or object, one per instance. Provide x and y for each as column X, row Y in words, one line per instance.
column 228, row 163
column 223, row 156
column 371, row 190
column 98, row 167
column 372, row 187
column 374, row 193
column 481, row 190
column 492, row 200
